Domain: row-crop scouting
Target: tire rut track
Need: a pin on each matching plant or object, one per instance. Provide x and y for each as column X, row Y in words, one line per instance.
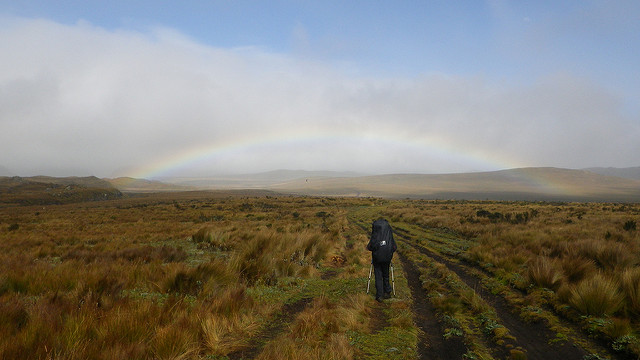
column 286, row 315
column 379, row 319
column 533, row 337
column 431, row 342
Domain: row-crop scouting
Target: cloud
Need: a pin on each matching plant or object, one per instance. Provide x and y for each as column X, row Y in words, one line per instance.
column 79, row 98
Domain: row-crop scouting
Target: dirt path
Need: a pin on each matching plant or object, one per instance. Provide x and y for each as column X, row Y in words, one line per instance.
column 431, row 343
column 286, row 315
column 533, row 337
column 379, row 319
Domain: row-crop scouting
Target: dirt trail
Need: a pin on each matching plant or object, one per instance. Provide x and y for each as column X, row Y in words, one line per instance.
column 379, row 319
column 431, row 343
column 533, row 337
column 275, row 327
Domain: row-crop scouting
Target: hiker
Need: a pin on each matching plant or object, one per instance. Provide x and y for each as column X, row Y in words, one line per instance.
column 382, row 247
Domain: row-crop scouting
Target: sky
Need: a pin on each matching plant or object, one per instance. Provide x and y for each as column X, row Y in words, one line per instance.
column 153, row 89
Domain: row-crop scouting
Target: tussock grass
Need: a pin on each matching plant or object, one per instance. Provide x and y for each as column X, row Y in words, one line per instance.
column 224, row 334
column 175, row 340
column 319, row 331
column 166, row 279
column 230, row 301
column 618, row 328
column 576, row 268
column 575, row 258
column 545, row 272
column 13, row 315
column 270, row 255
column 288, row 349
column 474, row 301
column 630, row 279
column 608, row 255
column 597, row 295
column 189, row 276
column 213, row 238
column 134, row 254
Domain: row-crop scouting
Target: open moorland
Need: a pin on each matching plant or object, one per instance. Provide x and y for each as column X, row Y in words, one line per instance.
column 530, row 184
column 233, row 275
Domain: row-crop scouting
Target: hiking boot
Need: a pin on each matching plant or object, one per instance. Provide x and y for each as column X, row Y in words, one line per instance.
column 378, row 300
column 387, row 295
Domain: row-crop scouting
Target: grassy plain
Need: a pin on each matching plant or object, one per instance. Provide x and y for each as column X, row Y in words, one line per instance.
column 203, row 275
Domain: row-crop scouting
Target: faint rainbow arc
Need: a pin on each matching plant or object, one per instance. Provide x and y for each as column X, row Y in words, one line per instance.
column 199, row 154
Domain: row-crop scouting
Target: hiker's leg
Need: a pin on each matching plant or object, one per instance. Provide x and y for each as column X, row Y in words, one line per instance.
column 385, row 277
column 378, row 269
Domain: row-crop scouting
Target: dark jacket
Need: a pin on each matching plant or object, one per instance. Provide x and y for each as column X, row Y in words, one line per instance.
column 382, row 245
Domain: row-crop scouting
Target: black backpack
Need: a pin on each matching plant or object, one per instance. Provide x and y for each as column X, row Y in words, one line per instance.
column 382, row 245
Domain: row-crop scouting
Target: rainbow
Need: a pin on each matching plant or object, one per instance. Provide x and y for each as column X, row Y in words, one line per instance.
column 199, row 155
column 435, row 145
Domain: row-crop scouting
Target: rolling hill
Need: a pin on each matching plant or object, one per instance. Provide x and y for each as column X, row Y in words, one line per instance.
column 629, row 173
column 41, row 190
column 545, row 184
column 530, row 184
column 254, row 181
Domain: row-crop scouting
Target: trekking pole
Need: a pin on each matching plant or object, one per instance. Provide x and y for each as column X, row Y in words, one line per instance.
column 369, row 282
column 393, row 280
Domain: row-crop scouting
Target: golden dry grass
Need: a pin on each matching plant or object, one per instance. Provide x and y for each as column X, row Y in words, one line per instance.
column 155, row 277
column 182, row 276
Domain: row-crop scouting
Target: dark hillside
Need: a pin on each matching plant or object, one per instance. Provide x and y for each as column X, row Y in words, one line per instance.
column 43, row 190
column 86, row 181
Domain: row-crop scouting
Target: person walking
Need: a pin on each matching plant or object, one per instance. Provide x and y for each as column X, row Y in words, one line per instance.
column 382, row 246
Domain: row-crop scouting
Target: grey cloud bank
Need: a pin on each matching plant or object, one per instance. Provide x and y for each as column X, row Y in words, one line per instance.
column 80, row 100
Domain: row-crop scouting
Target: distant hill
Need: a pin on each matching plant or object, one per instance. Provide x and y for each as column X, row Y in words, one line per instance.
column 254, row 181
column 40, row 190
column 530, row 184
column 629, row 173
column 86, row 181
column 544, row 184
column 129, row 184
